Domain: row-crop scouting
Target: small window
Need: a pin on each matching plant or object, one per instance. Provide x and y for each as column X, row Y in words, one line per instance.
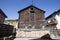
column 32, row 11
column 31, row 8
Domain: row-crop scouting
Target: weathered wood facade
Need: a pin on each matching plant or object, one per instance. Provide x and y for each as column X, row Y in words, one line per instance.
column 31, row 17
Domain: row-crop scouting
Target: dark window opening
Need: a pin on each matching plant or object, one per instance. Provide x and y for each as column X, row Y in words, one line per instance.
column 31, row 8
column 32, row 11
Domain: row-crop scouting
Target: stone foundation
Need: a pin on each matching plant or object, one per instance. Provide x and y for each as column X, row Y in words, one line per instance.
column 30, row 34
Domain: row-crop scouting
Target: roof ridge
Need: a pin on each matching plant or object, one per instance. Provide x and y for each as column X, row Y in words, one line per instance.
column 30, row 6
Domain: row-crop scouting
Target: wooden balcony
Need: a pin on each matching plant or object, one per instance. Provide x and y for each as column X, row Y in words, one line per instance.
column 52, row 23
column 5, row 30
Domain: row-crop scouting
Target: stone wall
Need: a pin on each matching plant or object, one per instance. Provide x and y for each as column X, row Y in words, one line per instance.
column 30, row 34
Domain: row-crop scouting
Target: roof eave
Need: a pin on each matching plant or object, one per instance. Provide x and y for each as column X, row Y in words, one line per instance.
column 52, row 14
column 3, row 13
column 30, row 6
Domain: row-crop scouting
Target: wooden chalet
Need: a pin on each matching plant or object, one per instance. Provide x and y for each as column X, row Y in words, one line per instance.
column 31, row 17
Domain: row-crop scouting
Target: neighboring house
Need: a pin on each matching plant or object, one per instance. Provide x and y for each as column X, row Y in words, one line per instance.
column 2, row 16
column 12, row 22
column 53, row 24
column 31, row 17
column 5, row 29
column 54, row 17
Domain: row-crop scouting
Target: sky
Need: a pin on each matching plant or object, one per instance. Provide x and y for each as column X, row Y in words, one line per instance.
column 11, row 7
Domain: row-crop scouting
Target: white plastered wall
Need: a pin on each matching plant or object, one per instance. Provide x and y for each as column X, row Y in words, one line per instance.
column 58, row 21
